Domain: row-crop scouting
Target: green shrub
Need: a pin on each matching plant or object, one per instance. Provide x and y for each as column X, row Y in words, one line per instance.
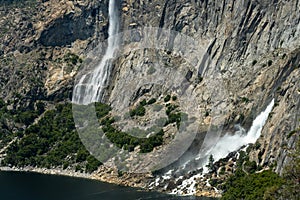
column 72, row 59
column 40, row 107
column 257, row 145
column 82, row 155
column 206, row 114
column 270, row 62
column 101, row 109
column 250, row 166
column 292, row 133
column 138, row 111
column 167, row 98
column 245, row 99
column 151, row 101
column 222, row 171
column 143, row 102
column 174, row 117
column 92, row 164
column 200, row 79
column 210, row 164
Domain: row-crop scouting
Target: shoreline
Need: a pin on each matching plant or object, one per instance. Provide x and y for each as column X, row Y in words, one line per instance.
column 109, row 178
column 103, row 174
column 45, row 171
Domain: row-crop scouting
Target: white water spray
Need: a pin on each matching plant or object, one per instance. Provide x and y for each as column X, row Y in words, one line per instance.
column 229, row 143
column 91, row 88
column 225, row 145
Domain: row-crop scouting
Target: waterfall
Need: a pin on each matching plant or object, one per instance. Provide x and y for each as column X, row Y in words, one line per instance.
column 91, row 88
column 225, row 145
column 229, row 143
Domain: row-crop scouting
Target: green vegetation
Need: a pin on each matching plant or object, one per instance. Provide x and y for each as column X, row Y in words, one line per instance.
column 72, row 59
column 252, row 186
column 151, row 101
column 138, row 111
column 123, row 139
column 270, row 62
column 210, row 164
column 173, row 115
column 245, row 100
column 52, row 142
column 257, row 145
column 291, row 173
column 40, row 107
column 206, row 113
column 167, row 98
column 127, row 141
column 200, row 79
column 22, row 116
column 102, row 109
column 17, row 2
column 222, row 171
column 26, row 117
column 247, row 183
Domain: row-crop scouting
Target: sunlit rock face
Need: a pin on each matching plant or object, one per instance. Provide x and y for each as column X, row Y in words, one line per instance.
column 253, row 48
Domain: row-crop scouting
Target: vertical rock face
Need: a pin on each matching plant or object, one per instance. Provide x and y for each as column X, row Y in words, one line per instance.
column 68, row 29
column 253, row 48
column 281, row 133
column 253, row 44
column 43, row 36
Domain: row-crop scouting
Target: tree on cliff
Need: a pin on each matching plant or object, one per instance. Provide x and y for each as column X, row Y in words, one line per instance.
column 210, row 164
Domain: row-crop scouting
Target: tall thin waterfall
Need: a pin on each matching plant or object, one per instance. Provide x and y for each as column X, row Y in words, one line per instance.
column 91, row 88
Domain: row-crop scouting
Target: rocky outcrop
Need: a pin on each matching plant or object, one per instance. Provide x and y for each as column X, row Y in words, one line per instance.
column 42, row 35
column 71, row 21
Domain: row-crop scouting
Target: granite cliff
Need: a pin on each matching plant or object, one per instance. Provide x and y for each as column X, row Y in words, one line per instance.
column 253, row 48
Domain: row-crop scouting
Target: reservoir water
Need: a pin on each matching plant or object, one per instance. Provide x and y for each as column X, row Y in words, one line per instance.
column 32, row 186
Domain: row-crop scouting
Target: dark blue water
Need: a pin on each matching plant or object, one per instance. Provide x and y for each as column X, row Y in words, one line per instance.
column 32, row 186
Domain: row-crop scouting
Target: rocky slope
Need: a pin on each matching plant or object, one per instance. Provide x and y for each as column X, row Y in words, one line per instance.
column 253, row 50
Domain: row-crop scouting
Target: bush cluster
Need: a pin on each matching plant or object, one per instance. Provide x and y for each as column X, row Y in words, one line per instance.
column 129, row 142
column 52, row 142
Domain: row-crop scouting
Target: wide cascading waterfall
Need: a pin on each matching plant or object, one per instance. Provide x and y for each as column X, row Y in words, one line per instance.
column 229, row 143
column 90, row 88
column 225, row 145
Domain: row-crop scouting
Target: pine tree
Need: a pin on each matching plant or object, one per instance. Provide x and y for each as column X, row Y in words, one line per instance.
column 210, row 164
